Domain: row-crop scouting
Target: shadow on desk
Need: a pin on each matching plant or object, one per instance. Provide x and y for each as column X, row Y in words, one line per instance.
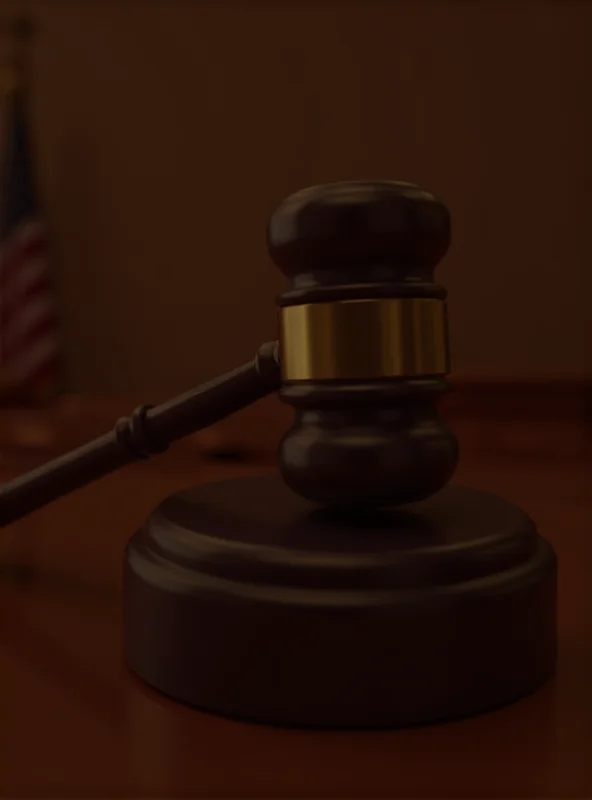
column 74, row 723
column 509, row 418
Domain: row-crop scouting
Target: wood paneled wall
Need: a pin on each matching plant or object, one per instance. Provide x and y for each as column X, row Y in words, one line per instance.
column 167, row 133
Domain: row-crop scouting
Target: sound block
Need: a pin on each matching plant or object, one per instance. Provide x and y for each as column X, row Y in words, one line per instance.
column 245, row 600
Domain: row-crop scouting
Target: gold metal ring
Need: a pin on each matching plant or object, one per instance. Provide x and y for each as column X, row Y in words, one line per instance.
column 364, row 339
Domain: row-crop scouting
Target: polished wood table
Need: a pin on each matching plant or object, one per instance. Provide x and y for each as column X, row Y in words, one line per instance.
column 73, row 722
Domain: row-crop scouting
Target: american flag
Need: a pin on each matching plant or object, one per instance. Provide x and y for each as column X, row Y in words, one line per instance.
column 28, row 341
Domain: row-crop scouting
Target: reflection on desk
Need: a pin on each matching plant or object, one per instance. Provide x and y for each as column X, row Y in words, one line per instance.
column 74, row 722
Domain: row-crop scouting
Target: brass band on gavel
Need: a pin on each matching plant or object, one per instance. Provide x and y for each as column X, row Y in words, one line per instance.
column 364, row 339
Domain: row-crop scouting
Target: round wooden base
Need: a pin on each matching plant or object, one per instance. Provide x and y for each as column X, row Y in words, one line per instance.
column 245, row 600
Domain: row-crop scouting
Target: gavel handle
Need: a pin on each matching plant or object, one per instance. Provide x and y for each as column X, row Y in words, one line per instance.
column 148, row 431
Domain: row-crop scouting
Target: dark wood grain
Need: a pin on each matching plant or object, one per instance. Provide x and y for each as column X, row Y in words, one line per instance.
column 75, row 724
column 242, row 598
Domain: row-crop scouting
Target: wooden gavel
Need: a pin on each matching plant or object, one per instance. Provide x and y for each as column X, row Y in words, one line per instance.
column 363, row 353
column 149, row 430
column 356, row 588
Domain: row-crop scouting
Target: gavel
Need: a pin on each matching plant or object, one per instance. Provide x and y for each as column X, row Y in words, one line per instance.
column 357, row 588
column 363, row 355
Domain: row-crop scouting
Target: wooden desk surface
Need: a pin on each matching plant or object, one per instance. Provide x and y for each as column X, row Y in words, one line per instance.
column 73, row 722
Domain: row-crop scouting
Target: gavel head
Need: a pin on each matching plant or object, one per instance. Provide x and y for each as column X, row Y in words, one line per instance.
column 363, row 343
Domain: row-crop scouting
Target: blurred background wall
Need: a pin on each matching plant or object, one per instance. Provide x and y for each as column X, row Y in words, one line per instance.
column 167, row 133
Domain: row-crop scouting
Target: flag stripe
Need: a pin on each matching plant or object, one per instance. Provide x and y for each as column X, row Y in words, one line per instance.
column 22, row 245
column 31, row 280
column 35, row 318
column 31, row 318
column 34, row 359
column 28, row 332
